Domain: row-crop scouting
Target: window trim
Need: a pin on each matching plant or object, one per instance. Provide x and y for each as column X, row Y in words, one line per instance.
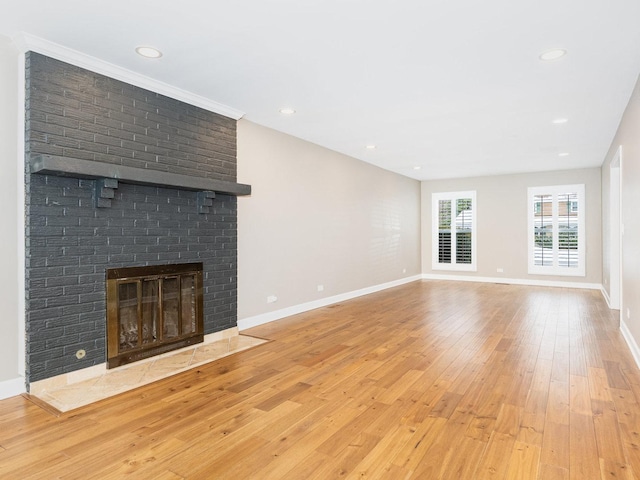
column 435, row 221
column 556, row 269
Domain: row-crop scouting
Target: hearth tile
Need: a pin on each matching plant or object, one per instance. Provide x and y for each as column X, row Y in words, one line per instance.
column 243, row 342
column 124, row 377
column 213, row 351
column 174, row 362
column 65, row 397
column 68, row 398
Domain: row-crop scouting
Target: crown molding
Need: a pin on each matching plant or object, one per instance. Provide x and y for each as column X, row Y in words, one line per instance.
column 26, row 42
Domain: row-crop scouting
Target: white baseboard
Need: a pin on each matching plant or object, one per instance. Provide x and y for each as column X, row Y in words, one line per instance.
column 513, row 281
column 605, row 294
column 631, row 342
column 11, row 388
column 263, row 318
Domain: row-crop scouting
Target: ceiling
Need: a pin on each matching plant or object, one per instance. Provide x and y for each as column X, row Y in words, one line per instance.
column 453, row 87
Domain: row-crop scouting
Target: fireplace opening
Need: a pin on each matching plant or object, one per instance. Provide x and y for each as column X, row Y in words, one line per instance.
column 152, row 310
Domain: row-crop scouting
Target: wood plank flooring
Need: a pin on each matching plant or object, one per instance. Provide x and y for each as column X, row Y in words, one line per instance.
column 430, row 380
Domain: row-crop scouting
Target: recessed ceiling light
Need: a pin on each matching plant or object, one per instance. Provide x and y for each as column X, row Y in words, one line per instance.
column 287, row 111
column 553, row 54
column 559, row 121
column 417, row 167
column 149, row 52
column 563, row 154
column 370, row 147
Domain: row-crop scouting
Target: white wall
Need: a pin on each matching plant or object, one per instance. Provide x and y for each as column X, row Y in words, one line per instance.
column 10, row 290
column 318, row 217
column 502, row 223
column 628, row 136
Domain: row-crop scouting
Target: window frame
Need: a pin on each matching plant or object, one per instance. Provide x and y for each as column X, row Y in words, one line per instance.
column 555, row 268
column 435, row 222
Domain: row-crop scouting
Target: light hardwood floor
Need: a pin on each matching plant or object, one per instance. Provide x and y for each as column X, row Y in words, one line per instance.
column 429, row 380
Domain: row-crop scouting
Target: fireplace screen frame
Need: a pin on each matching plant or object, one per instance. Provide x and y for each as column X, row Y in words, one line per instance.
column 116, row 277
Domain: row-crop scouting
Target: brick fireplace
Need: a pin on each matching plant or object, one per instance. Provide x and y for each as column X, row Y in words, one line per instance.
column 118, row 177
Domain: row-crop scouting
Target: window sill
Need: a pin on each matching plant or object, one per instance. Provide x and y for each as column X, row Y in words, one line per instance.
column 454, row 268
column 557, row 272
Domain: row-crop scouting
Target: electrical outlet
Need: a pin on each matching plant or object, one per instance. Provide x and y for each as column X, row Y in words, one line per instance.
column 272, row 298
column 320, row 288
column 404, row 270
column 500, row 270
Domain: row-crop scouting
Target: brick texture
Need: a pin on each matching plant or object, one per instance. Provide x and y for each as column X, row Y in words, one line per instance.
column 70, row 243
column 76, row 113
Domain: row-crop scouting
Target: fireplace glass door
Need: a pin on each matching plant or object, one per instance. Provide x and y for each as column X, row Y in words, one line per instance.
column 151, row 310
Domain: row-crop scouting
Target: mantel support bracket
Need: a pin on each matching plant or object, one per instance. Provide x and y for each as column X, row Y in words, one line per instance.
column 205, row 200
column 104, row 191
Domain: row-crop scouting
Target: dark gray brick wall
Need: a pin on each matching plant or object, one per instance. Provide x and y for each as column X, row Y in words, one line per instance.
column 73, row 112
column 70, row 243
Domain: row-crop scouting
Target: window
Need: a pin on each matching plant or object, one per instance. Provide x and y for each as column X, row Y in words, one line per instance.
column 454, row 231
column 574, row 206
column 556, row 230
column 538, row 207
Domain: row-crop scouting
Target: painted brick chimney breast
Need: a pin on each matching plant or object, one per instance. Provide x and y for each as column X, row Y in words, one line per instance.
column 77, row 114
